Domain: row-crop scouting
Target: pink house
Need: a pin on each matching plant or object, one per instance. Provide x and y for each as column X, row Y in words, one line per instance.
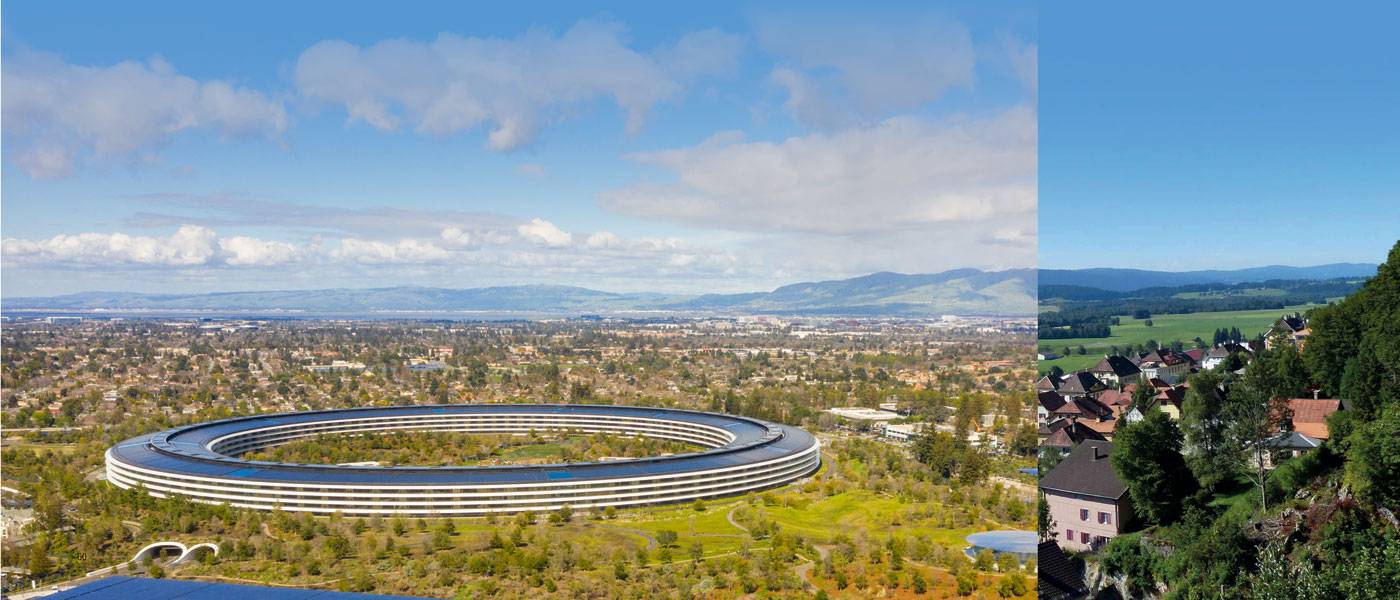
column 1088, row 503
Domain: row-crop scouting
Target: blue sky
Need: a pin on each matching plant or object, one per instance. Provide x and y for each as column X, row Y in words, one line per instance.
column 187, row 147
column 1219, row 135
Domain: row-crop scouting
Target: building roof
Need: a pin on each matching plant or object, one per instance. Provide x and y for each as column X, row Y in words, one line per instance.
column 1087, row 471
column 1310, row 415
column 1051, row 401
column 1292, row 440
column 122, row 588
column 1070, row 434
column 1113, row 398
column 1080, row 382
column 1058, row 579
column 1116, row 365
column 185, row 450
column 1046, row 383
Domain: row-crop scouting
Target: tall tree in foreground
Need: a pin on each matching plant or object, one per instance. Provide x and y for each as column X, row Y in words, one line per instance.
column 1205, row 430
column 1147, row 457
column 1255, row 415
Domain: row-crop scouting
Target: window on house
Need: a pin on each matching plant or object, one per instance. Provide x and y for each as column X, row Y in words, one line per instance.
column 1069, row 534
column 1083, row 537
column 1105, row 518
column 1083, row 514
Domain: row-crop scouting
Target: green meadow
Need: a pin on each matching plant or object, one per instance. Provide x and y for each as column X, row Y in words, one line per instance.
column 1165, row 329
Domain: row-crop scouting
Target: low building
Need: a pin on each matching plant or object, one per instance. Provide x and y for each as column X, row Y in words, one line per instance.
column 1309, row 415
column 1116, row 371
column 1088, row 503
column 902, row 432
column 860, row 413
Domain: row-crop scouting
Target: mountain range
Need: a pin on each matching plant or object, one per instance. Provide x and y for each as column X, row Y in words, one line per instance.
column 968, row 292
column 1127, row 280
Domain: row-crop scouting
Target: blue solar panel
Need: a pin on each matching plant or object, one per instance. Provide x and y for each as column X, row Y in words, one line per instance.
column 119, row 587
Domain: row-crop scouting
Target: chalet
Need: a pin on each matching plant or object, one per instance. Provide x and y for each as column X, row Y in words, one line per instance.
column 1116, row 371
column 1047, row 402
column 1165, row 365
column 1066, row 434
column 1080, row 383
column 1293, row 328
column 1309, row 415
column 1088, row 503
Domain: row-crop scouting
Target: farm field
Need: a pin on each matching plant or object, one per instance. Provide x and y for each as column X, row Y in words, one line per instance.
column 1165, row 329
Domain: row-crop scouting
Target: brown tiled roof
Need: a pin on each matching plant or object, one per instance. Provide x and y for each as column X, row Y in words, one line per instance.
column 1113, row 398
column 1310, row 416
column 1071, row 434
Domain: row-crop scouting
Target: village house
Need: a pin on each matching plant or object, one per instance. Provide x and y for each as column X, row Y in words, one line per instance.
column 1116, row 371
column 1087, row 502
column 1294, row 328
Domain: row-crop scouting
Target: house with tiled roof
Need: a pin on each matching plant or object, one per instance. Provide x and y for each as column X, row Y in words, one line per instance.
column 1066, row 434
column 1047, row 403
column 1293, row 327
column 1047, row 383
column 1165, row 365
column 1309, row 415
column 1080, row 383
column 1087, row 501
column 1116, row 371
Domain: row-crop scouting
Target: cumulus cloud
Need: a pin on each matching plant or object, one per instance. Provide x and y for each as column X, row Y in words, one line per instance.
column 603, row 239
column 405, row 251
column 245, row 251
column 190, row 245
column 56, row 112
column 512, row 87
column 843, row 67
column 543, row 232
column 901, row 173
column 456, row 238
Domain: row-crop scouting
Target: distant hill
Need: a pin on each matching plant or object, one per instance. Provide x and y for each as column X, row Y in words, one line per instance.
column 1127, row 280
column 958, row 292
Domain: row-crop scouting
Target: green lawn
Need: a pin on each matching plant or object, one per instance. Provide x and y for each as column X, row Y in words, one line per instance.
column 1165, row 329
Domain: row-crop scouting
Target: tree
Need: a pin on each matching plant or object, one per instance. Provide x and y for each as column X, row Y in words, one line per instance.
column 39, row 564
column 918, row 583
column 1056, row 372
column 937, row 450
column 666, row 537
column 1125, row 557
column 1147, row 458
column 1255, row 415
column 1204, row 430
column 1373, row 465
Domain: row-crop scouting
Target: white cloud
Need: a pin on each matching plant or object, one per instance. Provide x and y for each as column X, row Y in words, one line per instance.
column 190, row 245
column 58, row 112
column 454, row 237
column 512, row 87
column 864, row 65
column 602, row 240
column 902, row 173
column 252, row 252
column 405, row 251
column 540, row 231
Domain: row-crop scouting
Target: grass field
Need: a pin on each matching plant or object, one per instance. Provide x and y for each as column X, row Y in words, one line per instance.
column 40, row 448
column 1165, row 329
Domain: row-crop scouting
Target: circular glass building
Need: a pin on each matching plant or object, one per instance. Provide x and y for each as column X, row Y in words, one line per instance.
column 201, row 462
